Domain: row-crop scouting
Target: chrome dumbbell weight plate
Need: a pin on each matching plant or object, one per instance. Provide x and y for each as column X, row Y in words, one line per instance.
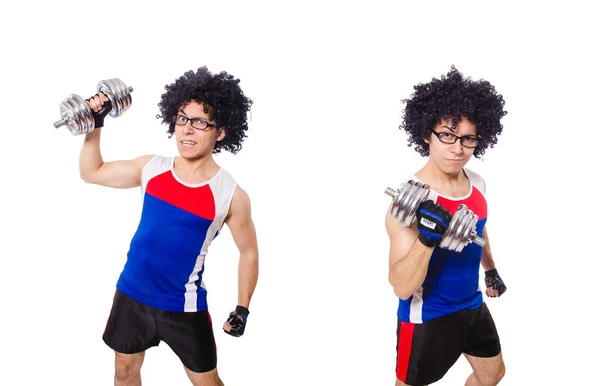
column 461, row 230
column 118, row 94
column 76, row 114
column 406, row 201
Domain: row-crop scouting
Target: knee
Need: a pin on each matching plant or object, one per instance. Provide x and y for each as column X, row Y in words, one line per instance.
column 493, row 376
column 499, row 374
column 127, row 369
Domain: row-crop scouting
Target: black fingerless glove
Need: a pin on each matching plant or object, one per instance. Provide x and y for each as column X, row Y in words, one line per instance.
column 237, row 321
column 101, row 114
column 433, row 220
column 492, row 279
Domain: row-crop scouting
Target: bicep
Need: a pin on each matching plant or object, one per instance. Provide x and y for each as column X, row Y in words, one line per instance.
column 401, row 238
column 240, row 223
column 122, row 173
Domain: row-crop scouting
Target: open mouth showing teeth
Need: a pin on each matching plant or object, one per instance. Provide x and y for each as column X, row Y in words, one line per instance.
column 188, row 143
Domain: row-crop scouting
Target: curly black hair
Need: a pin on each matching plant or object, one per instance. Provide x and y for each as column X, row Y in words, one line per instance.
column 223, row 100
column 451, row 98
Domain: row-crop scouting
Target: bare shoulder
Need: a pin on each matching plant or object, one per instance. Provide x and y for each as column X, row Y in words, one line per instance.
column 141, row 161
column 392, row 226
column 240, row 203
column 240, row 197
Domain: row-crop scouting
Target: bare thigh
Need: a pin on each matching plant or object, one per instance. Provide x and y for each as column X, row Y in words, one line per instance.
column 487, row 370
column 209, row 378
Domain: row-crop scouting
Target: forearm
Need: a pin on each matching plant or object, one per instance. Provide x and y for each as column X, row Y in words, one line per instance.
column 247, row 278
column 90, row 157
column 487, row 262
column 407, row 274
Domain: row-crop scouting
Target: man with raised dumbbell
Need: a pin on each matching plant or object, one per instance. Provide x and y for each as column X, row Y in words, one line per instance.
column 160, row 295
column 441, row 312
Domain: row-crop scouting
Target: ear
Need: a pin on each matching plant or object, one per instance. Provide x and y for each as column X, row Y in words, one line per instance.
column 221, row 134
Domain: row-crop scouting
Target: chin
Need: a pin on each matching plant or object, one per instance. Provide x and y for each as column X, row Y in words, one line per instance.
column 453, row 169
column 186, row 151
column 190, row 156
column 187, row 155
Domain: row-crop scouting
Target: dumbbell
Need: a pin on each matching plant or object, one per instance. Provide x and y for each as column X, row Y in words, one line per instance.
column 76, row 114
column 461, row 230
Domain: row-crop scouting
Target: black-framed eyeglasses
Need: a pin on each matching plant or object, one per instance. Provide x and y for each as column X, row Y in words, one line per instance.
column 469, row 141
column 197, row 123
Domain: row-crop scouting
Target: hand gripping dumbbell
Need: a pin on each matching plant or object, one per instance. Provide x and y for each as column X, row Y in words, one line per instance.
column 77, row 115
column 461, row 230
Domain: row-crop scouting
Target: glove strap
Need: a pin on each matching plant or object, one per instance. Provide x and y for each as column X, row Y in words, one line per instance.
column 427, row 241
column 242, row 310
column 491, row 273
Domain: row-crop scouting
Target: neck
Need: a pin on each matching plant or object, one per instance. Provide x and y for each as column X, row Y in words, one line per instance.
column 191, row 166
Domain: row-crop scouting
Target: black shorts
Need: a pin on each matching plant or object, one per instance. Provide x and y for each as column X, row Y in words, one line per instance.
column 426, row 351
column 133, row 327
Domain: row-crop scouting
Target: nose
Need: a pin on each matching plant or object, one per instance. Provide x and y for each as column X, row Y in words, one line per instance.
column 457, row 147
column 187, row 128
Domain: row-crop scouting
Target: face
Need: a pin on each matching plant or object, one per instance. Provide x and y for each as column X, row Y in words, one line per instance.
column 194, row 143
column 451, row 158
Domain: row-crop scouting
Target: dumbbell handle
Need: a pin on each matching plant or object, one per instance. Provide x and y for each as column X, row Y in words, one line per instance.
column 391, row 191
column 472, row 237
column 476, row 239
column 60, row 123
column 63, row 122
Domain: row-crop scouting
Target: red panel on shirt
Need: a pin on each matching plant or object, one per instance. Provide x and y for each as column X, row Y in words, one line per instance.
column 199, row 201
column 475, row 202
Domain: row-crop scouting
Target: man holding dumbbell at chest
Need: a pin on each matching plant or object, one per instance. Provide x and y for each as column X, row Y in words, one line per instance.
column 441, row 312
column 160, row 294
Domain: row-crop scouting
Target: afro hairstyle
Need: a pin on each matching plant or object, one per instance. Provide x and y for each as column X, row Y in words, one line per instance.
column 453, row 97
column 223, row 100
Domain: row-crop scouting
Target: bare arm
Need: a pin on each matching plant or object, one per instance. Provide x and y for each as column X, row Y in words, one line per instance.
column 409, row 258
column 243, row 232
column 495, row 287
column 115, row 174
column 487, row 262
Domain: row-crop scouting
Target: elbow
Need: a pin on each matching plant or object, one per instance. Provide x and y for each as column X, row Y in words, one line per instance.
column 86, row 177
column 399, row 290
column 249, row 259
column 89, row 175
column 402, row 293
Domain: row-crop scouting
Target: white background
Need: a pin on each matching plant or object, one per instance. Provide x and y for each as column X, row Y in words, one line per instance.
column 327, row 80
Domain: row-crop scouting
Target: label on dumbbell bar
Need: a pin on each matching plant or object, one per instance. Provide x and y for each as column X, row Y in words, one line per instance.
column 428, row 223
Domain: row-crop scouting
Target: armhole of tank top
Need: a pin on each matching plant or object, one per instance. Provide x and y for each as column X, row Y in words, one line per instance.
column 227, row 180
column 147, row 167
column 229, row 199
column 476, row 180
